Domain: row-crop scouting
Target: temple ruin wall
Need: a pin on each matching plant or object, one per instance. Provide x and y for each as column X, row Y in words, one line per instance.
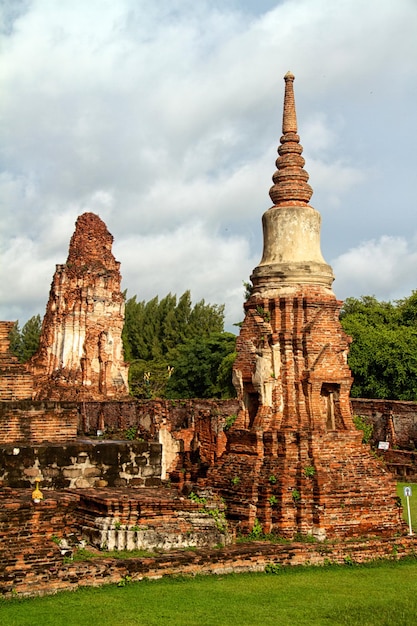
column 31, row 562
column 190, row 433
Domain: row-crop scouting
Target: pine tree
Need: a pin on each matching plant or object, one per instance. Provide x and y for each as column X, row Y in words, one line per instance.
column 24, row 343
column 154, row 333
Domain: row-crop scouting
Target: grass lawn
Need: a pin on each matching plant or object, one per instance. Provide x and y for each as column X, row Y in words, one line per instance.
column 384, row 594
column 413, row 504
column 380, row 594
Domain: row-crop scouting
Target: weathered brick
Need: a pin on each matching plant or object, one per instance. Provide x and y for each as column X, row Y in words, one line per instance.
column 80, row 354
column 294, row 459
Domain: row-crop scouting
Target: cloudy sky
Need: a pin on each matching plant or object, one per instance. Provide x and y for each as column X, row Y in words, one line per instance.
column 164, row 116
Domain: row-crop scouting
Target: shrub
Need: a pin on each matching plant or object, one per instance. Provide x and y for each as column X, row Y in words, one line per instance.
column 362, row 424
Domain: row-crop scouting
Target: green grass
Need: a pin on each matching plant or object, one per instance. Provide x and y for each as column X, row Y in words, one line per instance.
column 413, row 503
column 383, row 593
column 83, row 554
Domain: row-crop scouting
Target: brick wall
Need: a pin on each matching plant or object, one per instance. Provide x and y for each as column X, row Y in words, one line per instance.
column 191, row 431
column 16, row 383
column 396, row 422
column 31, row 562
column 393, row 420
column 28, row 554
column 37, row 422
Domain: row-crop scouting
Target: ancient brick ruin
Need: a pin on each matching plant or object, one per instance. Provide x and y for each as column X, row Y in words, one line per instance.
column 81, row 354
column 32, row 563
column 16, row 383
column 294, row 460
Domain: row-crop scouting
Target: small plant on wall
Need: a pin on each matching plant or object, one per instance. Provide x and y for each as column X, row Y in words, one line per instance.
column 256, row 532
column 235, row 481
column 195, row 498
column 309, row 471
column 296, row 495
column 229, row 421
column 263, row 313
column 131, row 433
column 367, row 429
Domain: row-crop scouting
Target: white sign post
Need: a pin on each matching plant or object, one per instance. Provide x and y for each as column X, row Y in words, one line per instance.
column 408, row 494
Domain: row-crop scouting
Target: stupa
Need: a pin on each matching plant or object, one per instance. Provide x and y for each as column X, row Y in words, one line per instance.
column 80, row 355
column 295, row 463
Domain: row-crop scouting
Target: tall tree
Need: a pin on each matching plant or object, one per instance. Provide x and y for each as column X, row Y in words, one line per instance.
column 24, row 343
column 206, row 319
column 154, row 332
column 182, row 316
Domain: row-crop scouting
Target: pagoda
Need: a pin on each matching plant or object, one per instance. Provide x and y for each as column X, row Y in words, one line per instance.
column 295, row 462
column 80, row 354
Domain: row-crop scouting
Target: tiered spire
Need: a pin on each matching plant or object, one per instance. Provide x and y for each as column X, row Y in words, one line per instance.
column 291, row 228
column 290, row 180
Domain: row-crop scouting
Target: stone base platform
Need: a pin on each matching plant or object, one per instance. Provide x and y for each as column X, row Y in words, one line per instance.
column 149, row 518
column 326, row 485
column 36, row 537
column 58, row 574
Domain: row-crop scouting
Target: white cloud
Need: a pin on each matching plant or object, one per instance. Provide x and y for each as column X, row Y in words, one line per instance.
column 172, row 262
column 164, row 118
column 384, row 268
column 24, row 291
column 335, row 178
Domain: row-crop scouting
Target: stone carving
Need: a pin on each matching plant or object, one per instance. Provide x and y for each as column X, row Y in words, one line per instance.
column 80, row 355
column 294, row 458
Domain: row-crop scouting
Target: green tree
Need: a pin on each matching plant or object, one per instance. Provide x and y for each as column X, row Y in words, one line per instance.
column 383, row 353
column 407, row 310
column 24, row 343
column 206, row 319
column 182, row 317
column 224, row 376
column 132, row 335
column 148, row 379
column 154, row 332
column 370, row 310
column 203, row 368
column 167, row 323
column 15, row 340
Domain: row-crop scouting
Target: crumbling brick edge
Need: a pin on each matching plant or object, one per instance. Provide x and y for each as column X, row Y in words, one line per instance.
column 236, row 558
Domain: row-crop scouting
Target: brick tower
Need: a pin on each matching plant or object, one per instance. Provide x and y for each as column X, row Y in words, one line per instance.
column 294, row 459
column 80, row 354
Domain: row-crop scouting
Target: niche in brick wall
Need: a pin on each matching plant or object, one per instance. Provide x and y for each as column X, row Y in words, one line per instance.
column 330, row 401
column 251, row 401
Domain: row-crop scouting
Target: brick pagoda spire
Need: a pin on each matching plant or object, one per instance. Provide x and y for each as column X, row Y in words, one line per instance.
column 291, row 227
column 294, row 459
